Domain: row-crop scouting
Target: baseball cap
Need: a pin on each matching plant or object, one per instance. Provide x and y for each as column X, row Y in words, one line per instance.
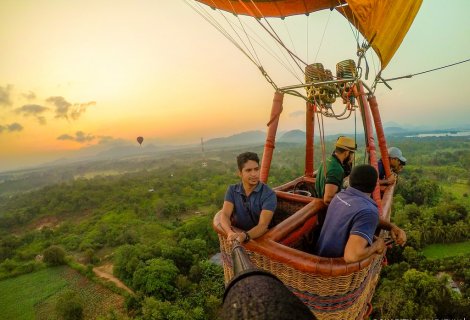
column 394, row 152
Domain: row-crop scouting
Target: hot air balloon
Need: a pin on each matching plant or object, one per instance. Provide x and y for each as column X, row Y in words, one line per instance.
column 330, row 287
column 140, row 140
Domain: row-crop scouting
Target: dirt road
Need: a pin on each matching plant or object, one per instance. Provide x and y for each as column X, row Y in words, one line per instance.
column 106, row 272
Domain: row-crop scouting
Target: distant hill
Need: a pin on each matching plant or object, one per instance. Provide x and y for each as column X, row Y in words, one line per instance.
column 293, row 136
column 392, row 130
column 125, row 151
column 244, row 138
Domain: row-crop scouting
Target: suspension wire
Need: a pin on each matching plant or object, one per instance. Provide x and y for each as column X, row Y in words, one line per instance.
column 262, row 44
column 373, row 62
column 294, row 57
column 323, row 36
column 267, row 48
column 361, row 49
column 217, row 26
column 209, row 18
column 290, row 37
column 321, row 131
column 224, row 31
column 272, row 33
column 423, row 72
column 356, row 35
column 241, row 24
column 293, row 46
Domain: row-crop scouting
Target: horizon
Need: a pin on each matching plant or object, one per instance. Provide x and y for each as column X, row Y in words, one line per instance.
column 92, row 153
column 89, row 76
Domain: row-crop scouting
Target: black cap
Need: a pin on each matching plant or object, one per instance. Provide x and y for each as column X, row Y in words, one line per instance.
column 363, row 178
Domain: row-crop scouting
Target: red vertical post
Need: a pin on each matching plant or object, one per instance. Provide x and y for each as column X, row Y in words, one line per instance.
column 369, row 131
column 276, row 110
column 374, row 108
column 310, row 127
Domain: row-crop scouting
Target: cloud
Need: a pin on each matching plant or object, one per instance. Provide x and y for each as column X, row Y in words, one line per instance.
column 296, row 114
column 5, row 99
column 106, row 139
column 65, row 137
column 67, row 110
column 79, row 137
column 29, row 95
column 79, row 108
column 34, row 110
column 62, row 106
column 11, row 127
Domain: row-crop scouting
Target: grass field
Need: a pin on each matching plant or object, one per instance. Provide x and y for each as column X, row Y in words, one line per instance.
column 445, row 250
column 34, row 295
column 459, row 190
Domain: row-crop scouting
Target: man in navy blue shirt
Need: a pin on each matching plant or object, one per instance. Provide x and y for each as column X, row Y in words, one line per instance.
column 351, row 221
column 248, row 205
column 397, row 162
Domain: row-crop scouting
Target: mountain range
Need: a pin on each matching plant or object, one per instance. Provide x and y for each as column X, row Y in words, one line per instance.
column 119, row 149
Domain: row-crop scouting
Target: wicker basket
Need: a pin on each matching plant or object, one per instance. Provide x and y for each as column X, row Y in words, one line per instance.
column 331, row 288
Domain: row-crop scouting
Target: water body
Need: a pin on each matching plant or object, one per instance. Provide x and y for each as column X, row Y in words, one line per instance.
column 444, row 134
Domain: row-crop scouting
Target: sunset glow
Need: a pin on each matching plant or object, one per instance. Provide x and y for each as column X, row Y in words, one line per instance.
column 74, row 74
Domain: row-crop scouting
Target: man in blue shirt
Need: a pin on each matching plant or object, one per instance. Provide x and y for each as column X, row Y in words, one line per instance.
column 351, row 221
column 397, row 162
column 248, row 205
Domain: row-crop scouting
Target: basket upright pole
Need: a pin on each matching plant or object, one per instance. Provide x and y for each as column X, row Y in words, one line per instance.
column 309, row 138
column 276, row 110
column 374, row 108
column 370, row 143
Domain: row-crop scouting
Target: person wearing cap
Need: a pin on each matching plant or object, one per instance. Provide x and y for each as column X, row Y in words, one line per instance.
column 328, row 182
column 397, row 162
column 248, row 205
column 352, row 219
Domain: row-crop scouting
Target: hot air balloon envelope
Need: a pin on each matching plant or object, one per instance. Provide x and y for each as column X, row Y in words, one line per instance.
column 140, row 140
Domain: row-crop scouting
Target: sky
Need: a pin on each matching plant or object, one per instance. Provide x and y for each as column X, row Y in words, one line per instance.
column 97, row 73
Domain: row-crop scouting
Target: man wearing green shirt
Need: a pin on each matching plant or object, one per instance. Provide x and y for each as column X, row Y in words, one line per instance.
column 328, row 182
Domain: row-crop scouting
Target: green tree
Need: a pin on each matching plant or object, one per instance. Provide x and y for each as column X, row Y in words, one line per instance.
column 54, row 256
column 157, row 278
column 69, row 306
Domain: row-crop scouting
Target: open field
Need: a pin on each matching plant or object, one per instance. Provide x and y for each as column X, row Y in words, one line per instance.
column 459, row 190
column 444, row 250
column 34, row 296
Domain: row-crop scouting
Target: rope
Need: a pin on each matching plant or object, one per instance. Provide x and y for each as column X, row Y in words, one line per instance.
column 431, row 70
column 217, row 26
column 356, row 35
column 269, row 50
column 253, row 54
column 273, row 34
column 241, row 24
column 321, row 131
column 322, row 37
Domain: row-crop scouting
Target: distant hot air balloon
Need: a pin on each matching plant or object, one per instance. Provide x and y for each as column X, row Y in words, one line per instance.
column 140, row 140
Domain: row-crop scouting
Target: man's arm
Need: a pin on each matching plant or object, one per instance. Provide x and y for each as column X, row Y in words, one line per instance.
column 262, row 226
column 255, row 232
column 225, row 223
column 390, row 180
column 398, row 235
column 357, row 248
column 330, row 191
